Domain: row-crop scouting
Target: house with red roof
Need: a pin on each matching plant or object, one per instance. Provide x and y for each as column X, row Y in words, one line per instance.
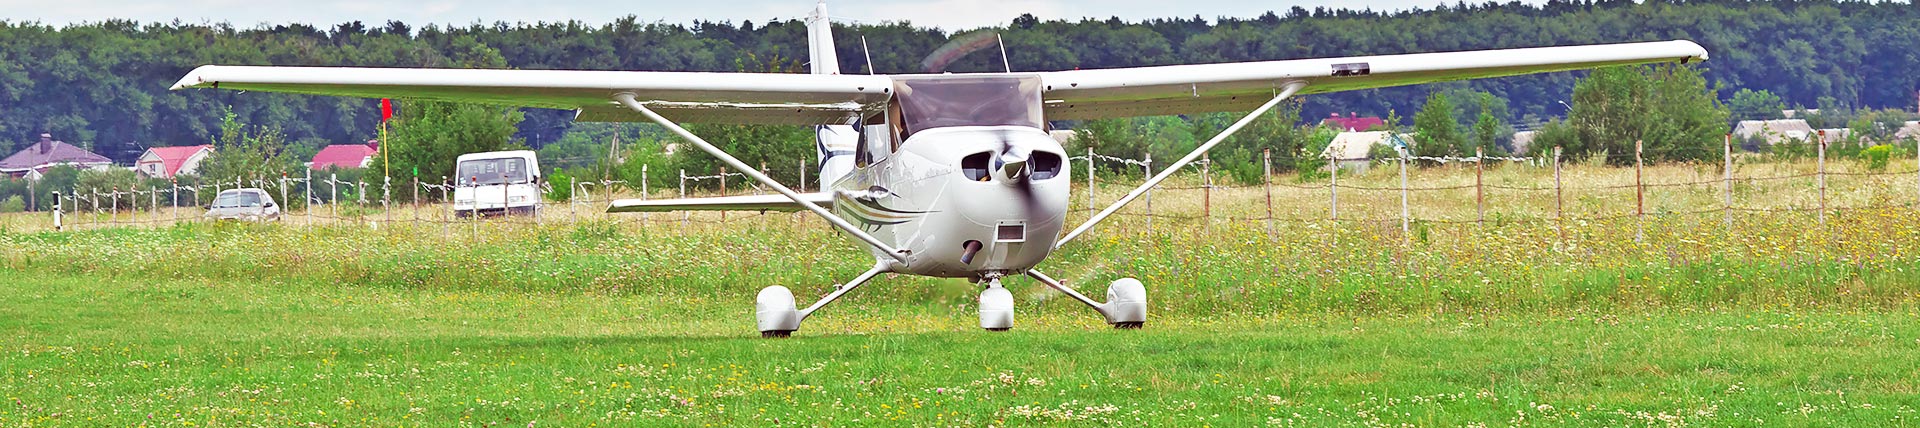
column 346, row 156
column 167, row 162
column 36, row 158
column 1352, row 122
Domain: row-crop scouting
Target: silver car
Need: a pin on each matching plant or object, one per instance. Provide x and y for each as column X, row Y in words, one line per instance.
column 248, row 204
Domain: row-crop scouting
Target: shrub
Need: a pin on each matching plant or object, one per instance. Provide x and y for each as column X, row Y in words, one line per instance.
column 1877, row 156
column 559, row 187
column 13, row 204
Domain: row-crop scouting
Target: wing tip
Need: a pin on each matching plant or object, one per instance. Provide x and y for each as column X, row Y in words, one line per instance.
column 194, row 79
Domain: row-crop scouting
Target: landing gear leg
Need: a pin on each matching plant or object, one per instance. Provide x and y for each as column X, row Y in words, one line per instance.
column 1126, row 306
column 774, row 309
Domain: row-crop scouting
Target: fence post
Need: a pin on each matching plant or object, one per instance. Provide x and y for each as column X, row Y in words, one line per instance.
column 1266, row 182
column 153, row 202
column 474, row 215
column 307, row 192
column 416, row 200
column 1559, row 199
column 283, row 194
column 1090, row 206
column 723, row 191
column 333, row 186
column 1206, row 188
column 1726, row 182
column 1148, row 166
column 1639, row 193
column 1479, row 184
column 1820, row 175
column 1406, row 227
column 802, row 170
column 113, row 217
column 446, row 215
column 1333, row 190
column 645, row 187
column 685, row 216
column 174, row 185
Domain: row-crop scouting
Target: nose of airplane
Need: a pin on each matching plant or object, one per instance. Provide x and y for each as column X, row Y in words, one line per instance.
column 1014, row 164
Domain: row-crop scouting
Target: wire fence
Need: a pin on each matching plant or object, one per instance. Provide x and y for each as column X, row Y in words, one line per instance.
column 322, row 201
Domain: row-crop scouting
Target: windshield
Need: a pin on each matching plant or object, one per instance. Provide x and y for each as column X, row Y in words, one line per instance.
column 236, row 199
column 944, row 101
column 493, row 171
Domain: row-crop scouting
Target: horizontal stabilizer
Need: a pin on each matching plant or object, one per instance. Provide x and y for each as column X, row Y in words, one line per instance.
column 773, row 202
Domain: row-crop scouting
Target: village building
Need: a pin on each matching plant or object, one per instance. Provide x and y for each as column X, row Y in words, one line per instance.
column 35, row 159
column 168, row 162
column 345, row 156
column 1352, row 122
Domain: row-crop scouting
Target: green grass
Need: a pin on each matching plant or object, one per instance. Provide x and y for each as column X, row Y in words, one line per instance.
column 1775, row 321
column 86, row 352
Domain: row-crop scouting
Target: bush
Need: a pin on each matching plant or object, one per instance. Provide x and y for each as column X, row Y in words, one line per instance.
column 13, row 204
column 559, row 187
column 1877, row 156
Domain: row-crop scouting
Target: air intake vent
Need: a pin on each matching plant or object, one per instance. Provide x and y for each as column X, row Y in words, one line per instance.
column 1011, row 233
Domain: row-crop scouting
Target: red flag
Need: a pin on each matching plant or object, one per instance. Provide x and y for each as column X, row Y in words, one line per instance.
column 386, row 109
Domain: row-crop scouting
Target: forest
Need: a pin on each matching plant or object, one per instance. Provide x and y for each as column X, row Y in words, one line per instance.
column 104, row 84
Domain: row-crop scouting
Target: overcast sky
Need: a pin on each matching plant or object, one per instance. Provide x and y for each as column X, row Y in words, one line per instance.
column 946, row 14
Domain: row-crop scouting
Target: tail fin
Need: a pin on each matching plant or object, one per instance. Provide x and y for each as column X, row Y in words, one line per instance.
column 834, row 143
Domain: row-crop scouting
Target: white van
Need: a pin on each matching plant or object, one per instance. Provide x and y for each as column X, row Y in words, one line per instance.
column 497, row 183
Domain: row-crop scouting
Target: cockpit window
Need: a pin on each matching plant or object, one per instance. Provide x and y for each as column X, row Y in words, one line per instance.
column 928, row 102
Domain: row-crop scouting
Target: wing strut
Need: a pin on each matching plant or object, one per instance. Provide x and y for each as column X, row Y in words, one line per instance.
column 627, row 100
column 1285, row 92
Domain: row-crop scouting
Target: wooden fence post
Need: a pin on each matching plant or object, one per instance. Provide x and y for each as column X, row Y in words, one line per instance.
column 1333, row 192
column 1090, row 183
column 1406, row 228
column 1559, row 199
column 1206, row 188
column 1639, row 193
column 723, row 191
column 1148, row 165
column 646, row 188
column 1820, row 175
column 1266, row 181
column 1726, row 185
column 1479, row 189
column 416, row 200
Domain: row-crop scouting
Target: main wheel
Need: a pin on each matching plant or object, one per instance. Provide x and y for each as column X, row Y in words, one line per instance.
column 1126, row 305
column 774, row 312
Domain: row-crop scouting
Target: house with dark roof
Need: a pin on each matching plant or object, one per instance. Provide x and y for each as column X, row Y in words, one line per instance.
column 346, row 156
column 1352, row 122
column 167, row 162
column 36, row 158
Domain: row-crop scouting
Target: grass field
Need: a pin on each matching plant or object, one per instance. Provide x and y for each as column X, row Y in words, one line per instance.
column 595, row 322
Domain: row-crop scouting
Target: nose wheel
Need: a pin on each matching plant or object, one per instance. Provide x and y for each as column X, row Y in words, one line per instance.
column 996, row 307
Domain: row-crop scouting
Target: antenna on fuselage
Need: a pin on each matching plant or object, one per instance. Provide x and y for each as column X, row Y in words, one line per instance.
column 1004, row 62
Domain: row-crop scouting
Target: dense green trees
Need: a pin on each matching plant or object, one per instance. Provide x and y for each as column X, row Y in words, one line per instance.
column 105, row 83
column 1668, row 107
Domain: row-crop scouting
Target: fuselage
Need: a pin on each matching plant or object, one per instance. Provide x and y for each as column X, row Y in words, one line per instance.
column 943, row 199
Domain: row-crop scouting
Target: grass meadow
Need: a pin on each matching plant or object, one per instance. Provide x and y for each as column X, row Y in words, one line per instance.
column 580, row 319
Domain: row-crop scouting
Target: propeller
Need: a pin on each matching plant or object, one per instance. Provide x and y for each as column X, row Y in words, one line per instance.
column 1015, row 163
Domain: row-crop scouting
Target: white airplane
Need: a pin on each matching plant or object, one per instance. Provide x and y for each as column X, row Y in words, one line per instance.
column 948, row 175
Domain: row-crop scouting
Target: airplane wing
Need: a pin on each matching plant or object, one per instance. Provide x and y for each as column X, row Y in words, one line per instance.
column 795, row 99
column 1205, row 88
column 770, row 202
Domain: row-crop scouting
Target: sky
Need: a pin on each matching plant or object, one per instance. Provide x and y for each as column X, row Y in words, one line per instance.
column 945, row 14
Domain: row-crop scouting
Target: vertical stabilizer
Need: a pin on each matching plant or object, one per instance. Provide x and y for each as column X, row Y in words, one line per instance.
column 834, row 143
